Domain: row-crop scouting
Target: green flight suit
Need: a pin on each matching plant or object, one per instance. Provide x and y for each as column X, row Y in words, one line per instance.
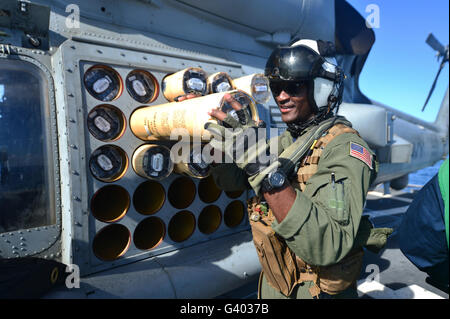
column 315, row 229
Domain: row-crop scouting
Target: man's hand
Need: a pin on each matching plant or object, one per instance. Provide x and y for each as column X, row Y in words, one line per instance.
column 238, row 138
column 188, row 96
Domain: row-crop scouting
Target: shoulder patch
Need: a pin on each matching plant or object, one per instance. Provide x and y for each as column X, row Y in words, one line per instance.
column 361, row 153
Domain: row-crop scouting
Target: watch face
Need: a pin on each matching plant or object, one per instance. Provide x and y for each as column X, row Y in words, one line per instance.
column 277, row 179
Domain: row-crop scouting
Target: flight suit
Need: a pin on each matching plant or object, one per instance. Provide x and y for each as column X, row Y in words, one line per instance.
column 314, row 229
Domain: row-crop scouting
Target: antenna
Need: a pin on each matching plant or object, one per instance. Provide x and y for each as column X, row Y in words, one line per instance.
column 442, row 53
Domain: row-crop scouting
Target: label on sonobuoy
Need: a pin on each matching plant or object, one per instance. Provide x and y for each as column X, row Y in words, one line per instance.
column 102, row 124
column 157, row 162
column 105, row 162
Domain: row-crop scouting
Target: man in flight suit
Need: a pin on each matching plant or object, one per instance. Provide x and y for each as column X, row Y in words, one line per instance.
column 307, row 213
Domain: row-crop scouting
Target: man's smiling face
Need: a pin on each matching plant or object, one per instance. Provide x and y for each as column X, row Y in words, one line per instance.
column 292, row 100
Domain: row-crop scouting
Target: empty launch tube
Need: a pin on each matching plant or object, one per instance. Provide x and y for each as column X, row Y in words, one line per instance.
column 152, row 161
column 234, row 214
column 219, row 82
column 111, row 242
column 257, row 85
column 190, row 115
column 208, row 190
column 149, row 233
column 209, row 219
column 149, row 197
column 110, row 203
column 181, row 226
column 190, row 80
column 234, row 194
column 181, row 192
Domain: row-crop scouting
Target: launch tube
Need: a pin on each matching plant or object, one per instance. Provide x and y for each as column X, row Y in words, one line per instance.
column 142, row 86
column 108, row 163
column 234, row 214
column 181, row 226
column 208, row 190
column 149, row 233
column 181, row 192
column 111, row 242
column 190, row 115
column 103, row 83
column 149, row 197
column 110, row 203
column 106, row 123
column 209, row 219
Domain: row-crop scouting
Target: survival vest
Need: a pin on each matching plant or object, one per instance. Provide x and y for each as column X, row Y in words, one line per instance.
column 282, row 268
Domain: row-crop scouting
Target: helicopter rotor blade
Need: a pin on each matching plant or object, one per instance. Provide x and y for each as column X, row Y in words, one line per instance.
column 434, row 85
column 435, row 44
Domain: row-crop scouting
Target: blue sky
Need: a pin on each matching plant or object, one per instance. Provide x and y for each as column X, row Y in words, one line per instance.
column 401, row 67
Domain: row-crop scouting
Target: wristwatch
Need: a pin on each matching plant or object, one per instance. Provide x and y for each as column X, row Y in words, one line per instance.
column 273, row 181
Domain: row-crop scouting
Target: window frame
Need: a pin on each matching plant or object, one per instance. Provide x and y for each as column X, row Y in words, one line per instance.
column 43, row 240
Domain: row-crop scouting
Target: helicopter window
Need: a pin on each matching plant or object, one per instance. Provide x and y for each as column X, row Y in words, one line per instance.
column 26, row 162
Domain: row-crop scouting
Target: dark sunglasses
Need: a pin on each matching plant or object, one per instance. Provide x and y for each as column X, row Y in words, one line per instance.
column 291, row 88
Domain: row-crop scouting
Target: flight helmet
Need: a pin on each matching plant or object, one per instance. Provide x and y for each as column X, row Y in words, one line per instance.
column 312, row 62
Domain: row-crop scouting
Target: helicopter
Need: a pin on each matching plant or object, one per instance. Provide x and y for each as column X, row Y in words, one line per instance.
column 73, row 199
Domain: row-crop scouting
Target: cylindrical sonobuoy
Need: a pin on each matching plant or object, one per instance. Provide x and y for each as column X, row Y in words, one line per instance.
column 219, row 82
column 257, row 85
column 193, row 165
column 142, row 86
column 189, row 80
column 108, row 163
column 103, row 83
column 152, row 161
column 106, row 123
column 190, row 115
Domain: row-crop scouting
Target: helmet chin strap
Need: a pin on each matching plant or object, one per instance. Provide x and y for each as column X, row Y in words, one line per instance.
column 298, row 127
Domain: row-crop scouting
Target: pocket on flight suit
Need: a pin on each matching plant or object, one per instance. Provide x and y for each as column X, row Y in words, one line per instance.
column 336, row 194
column 332, row 194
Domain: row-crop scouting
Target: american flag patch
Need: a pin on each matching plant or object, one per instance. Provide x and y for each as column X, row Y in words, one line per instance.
column 361, row 153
